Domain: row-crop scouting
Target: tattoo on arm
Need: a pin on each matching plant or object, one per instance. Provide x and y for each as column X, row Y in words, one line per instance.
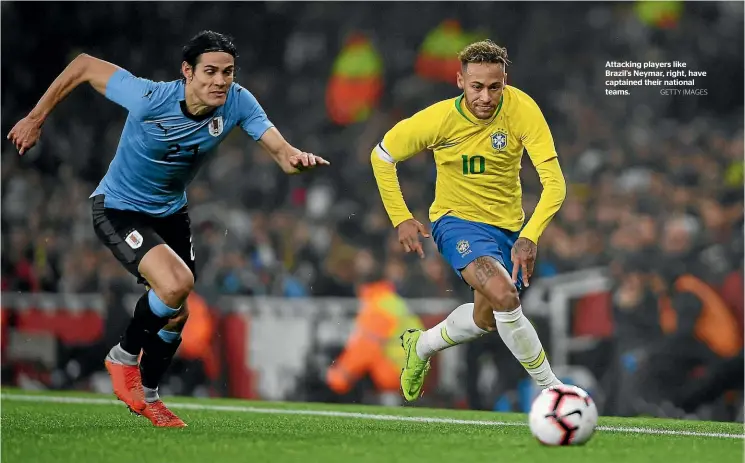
column 485, row 269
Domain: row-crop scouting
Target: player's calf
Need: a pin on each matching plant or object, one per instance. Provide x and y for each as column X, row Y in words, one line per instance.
column 157, row 355
column 150, row 316
column 495, row 295
column 460, row 326
column 158, row 352
column 468, row 321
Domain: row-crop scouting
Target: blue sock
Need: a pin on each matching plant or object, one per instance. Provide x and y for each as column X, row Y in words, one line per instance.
column 159, row 307
column 169, row 336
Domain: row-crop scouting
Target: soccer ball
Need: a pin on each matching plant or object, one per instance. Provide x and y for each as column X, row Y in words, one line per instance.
column 563, row 415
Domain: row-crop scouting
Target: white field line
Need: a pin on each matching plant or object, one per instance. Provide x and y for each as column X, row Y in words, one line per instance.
column 363, row 416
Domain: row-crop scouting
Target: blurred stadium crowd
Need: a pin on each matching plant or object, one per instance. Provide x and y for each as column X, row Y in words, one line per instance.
column 655, row 182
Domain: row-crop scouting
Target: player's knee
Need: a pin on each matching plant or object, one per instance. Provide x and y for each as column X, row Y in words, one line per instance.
column 176, row 287
column 483, row 315
column 505, row 299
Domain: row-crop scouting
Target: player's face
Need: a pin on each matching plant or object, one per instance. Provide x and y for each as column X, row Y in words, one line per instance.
column 212, row 77
column 482, row 84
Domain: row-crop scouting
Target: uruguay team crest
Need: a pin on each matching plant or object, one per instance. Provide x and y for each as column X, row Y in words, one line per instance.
column 134, row 239
column 216, row 126
column 499, row 140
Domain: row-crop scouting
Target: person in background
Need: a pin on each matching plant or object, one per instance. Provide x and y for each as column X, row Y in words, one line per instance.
column 373, row 347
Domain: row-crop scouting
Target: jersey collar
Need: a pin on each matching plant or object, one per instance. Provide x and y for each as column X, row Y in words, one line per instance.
column 466, row 112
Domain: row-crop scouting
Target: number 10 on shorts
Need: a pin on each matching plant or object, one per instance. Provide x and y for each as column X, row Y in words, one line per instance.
column 473, row 164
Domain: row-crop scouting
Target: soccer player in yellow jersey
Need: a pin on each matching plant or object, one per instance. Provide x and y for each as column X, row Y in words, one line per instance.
column 477, row 218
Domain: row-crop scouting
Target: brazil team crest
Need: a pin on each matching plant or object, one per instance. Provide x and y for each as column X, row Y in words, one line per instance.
column 499, row 140
column 216, row 126
column 463, row 247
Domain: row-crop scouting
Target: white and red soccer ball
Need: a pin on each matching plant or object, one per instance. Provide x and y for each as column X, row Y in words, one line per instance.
column 563, row 415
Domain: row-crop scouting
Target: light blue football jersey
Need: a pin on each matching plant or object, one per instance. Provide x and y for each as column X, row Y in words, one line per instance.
column 162, row 146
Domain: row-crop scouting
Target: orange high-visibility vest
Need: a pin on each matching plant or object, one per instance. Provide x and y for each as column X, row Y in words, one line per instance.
column 662, row 15
column 438, row 57
column 356, row 83
column 374, row 347
column 716, row 326
column 196, row 339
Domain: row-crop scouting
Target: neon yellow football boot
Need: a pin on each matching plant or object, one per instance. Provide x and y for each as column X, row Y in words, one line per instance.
column 415, row 369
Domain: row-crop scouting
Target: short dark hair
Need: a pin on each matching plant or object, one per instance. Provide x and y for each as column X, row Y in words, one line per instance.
column 484, row 51
column 206, row 42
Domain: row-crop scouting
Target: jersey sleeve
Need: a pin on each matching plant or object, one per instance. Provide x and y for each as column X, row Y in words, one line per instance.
column 136, row 94
column 404, row 140
column 552, row 197
column 251, row 116
column 534, row 132
column 415, row 134
column 537, row 139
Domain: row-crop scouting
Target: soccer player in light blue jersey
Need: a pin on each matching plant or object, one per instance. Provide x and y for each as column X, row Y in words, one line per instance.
column 139, row 209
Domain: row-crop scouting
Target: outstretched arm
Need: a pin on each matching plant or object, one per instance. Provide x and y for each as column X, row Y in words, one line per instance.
column 84, row 68
column 254, row 121
column 289, row 158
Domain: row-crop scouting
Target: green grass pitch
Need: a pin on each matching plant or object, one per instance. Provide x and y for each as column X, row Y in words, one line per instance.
column 82, row 428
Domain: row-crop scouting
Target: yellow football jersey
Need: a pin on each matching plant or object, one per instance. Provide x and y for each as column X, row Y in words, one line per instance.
column 478, row 161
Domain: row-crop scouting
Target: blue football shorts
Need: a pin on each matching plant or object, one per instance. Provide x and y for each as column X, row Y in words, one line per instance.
column 462, row 241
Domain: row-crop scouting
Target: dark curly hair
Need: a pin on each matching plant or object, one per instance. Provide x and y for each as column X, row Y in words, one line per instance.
column 484, row 51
